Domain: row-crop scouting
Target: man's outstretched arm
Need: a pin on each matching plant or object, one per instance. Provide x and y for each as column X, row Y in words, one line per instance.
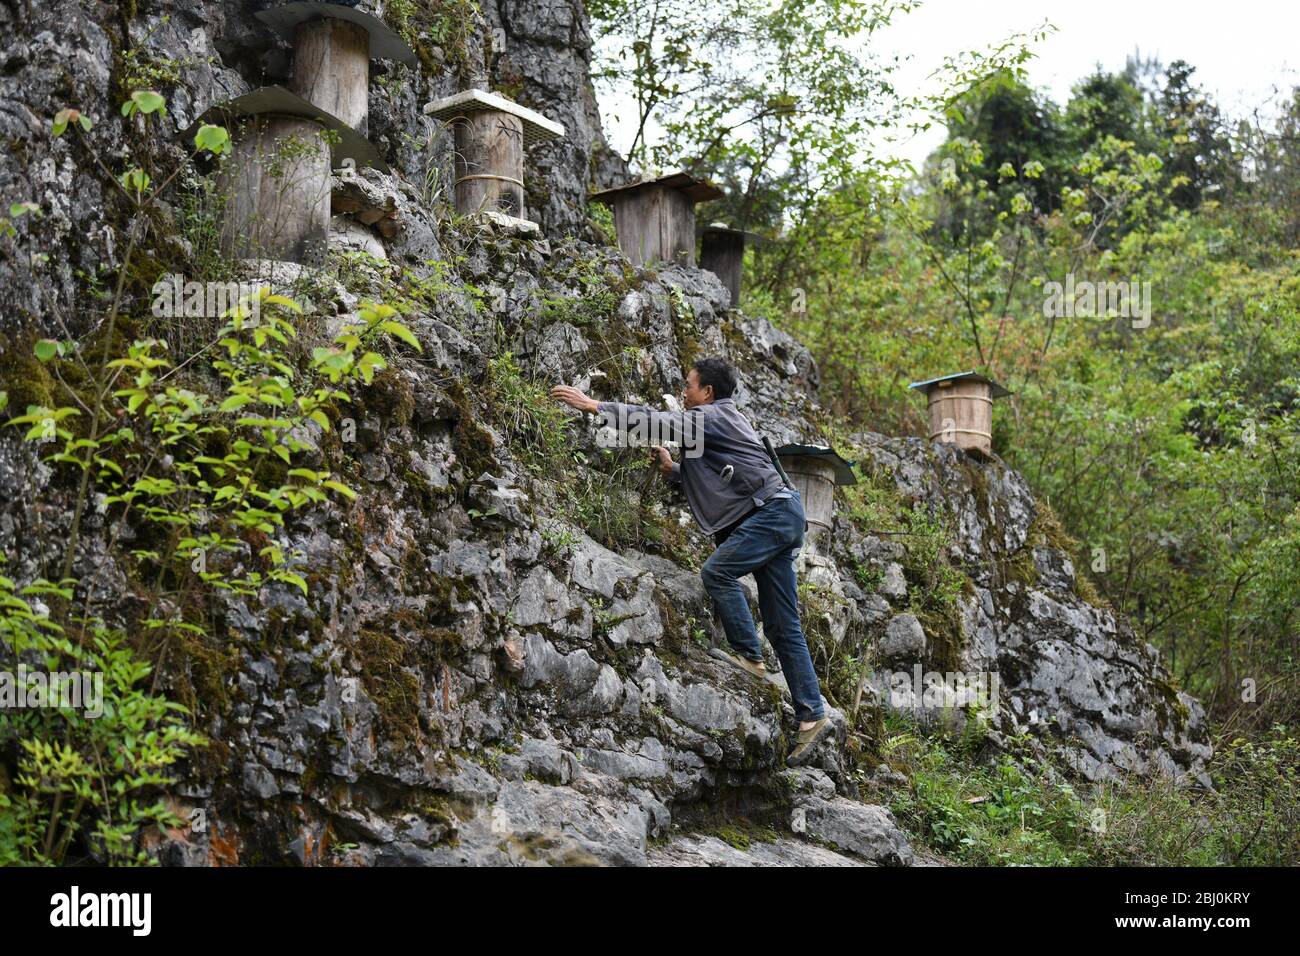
column 664, row 426
column 575, row 397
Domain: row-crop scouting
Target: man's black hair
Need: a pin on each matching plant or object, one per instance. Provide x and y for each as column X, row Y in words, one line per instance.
column 719, row 373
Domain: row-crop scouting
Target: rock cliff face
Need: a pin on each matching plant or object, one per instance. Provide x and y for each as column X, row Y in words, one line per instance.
column 473, row 677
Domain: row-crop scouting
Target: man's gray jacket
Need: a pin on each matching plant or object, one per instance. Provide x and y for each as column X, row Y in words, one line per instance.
column 713, row 437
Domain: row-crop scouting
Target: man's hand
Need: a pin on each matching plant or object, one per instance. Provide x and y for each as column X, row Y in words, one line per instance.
column 661, row 455
column 573, row 396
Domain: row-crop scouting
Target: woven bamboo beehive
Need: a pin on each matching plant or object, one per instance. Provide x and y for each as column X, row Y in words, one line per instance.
column 961, row 410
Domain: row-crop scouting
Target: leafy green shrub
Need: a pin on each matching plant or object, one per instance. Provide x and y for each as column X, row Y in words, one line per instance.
column 82, row 775
column 201, row 484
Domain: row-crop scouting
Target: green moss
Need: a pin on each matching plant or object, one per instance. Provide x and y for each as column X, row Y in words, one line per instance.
column 541, row 846
column 734, row 337
column 1086, row 590
column 944, row 636
column 1019, row 567
column 439, row 810
column 430, row 26
column 979, row 482
column 1046, row 531
column 663, row 534
column 741, row 831
column 596, row 301
column 733, row 836
column 442, row 592
column 440, row 644
column 25, row 377
column 210, row 668
column 686, row 329
column 472, row 442
column 393, row 688
column 535, row 192
column 446, row 814
column 510, row 88
column 935, row 585
column 429, row 496
column 392, row 396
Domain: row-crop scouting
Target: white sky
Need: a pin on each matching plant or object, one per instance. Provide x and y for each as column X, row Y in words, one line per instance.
column 1241, row 49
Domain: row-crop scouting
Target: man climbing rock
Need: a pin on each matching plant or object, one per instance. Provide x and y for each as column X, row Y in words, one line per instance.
column 736, row 494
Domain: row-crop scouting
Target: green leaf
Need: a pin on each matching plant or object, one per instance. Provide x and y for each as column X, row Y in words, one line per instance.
column 283, row 301
column 292, row 578
column 370, row 363
column 341, row 489
column 136, row 180
column 46, row 349
column 398, row 330
column 147, row 101
column 64, row 117
column 212, row 139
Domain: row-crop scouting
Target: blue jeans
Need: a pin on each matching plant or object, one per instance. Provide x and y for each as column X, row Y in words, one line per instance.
column 766, row 545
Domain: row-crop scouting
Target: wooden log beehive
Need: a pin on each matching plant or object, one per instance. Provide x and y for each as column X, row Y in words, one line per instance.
column 815, row 480
column 815, row 470
column 722, row 252
column 276, row 183
column 961, row 410
column 491, row 134
column 655, row 219
column 331, row 69
column 277, row 189
column 333, row 44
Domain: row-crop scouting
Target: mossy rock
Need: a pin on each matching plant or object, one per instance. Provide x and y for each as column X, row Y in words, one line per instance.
column 472, row 442
column 390, row 684
column 391, row 396
column 24, row 377
column 209, row 669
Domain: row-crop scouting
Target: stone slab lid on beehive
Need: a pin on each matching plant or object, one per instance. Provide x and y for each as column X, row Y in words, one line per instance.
column 537, row 128
column 385, row 43
column 997, row 390
column 277, row 100
column 696, row 190
column 843, row 469
column 721, row 228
